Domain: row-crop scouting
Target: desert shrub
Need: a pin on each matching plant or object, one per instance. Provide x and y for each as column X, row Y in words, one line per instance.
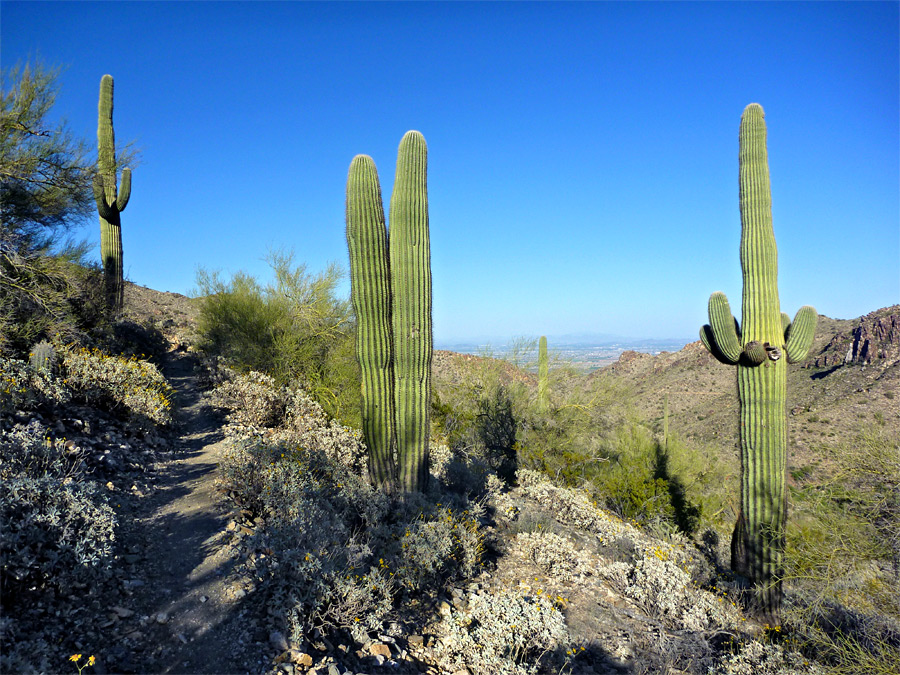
column 757, row 658
column 661, row 584
column 24, row 388
column 572, row 506
column 505, row 632
column 295, row 329
column 129, row 386
column 54, row 533
column 16, row 391
column 311, row 427
column 29, row 451
column 251, row 399
column 436, row 547
column 340, row 550
column 554, row 554
column 843, row 555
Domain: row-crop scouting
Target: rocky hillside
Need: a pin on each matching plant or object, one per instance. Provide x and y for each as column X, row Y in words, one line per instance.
column 847, row 384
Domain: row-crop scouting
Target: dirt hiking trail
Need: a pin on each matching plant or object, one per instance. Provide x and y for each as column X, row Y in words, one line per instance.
column 189, row 614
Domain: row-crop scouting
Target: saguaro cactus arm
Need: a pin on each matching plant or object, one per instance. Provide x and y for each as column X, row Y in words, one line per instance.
column 722, row 334
column 371, row 297
column 124, row 192
column 800, row 333
column 103, row 208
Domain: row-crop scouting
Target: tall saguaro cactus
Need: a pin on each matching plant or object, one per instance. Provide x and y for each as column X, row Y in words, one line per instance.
column 391, row 293
column 543, row 374
column 371, row 295
column 111, row 200
column 410, row 252
column 756, row 347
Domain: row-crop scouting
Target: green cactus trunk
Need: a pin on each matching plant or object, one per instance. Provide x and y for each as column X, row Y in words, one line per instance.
column 543, row 375
column 410, row 253
column 111, row 201
column 371, row 296
column 391, row 292
column 756, row 348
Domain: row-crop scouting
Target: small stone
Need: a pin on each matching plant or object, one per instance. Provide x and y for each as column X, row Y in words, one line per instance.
column 181, row 637
column 444, row 609
column 122, row 612
column 379, row 648
column 162, row 618
column 203, row 598
column 416, row 641
column 333, row 670
column 379, row 659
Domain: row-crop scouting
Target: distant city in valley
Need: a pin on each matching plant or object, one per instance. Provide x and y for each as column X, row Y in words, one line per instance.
column 583, row 355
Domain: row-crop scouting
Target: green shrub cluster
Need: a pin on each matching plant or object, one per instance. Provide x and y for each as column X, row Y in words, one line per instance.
column 295, row 329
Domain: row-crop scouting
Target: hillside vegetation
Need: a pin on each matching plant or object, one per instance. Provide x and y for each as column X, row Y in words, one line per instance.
column 578, row 538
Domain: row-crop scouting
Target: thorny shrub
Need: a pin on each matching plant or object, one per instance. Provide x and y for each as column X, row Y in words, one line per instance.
column 506, row 632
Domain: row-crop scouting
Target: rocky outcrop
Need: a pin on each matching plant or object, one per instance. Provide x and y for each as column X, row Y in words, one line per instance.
column 874, row 340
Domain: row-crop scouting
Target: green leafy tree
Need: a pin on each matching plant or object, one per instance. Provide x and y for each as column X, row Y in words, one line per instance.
column 45, row 191
column 295, row 328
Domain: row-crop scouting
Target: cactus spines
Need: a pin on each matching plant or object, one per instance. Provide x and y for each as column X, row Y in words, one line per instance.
column 371, row 296
column 43, row 358
column 391, row 291
column 410, row 264
column 543, row 374
column 111, row 201
column 757, row 545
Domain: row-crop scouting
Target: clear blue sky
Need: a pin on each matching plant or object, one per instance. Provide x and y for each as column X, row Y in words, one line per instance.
column 583, row 170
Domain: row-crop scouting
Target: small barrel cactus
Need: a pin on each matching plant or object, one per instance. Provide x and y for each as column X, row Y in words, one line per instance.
column 43, row 359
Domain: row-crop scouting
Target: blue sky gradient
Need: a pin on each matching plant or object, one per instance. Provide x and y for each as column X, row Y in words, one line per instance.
column 583, row 170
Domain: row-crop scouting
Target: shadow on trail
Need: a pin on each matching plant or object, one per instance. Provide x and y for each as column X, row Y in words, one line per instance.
column 183, row 584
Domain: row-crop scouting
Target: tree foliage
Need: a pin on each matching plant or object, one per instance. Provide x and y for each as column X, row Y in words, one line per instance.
column 45, row 172
column 295, row 328
column 45, row 190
